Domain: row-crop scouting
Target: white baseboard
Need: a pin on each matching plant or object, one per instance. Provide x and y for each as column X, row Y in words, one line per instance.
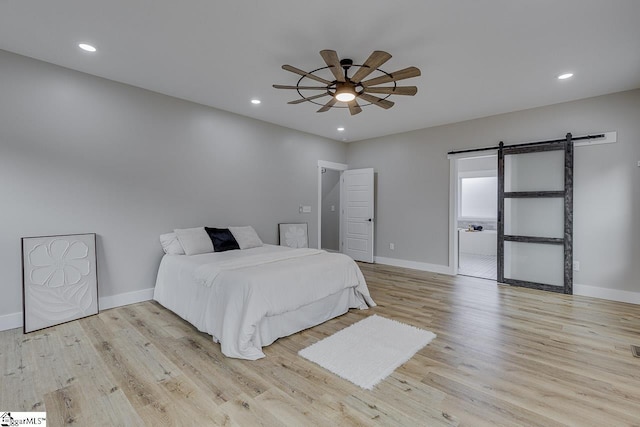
column 14, row 320
column 606, row 293
column 11, row 321
column 126, row 298
column 415, row 265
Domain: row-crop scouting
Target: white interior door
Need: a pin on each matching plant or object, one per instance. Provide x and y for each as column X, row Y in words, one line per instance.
column 357, row 214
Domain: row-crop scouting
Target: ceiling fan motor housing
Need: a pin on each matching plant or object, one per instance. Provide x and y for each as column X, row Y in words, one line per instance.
column 346, row 63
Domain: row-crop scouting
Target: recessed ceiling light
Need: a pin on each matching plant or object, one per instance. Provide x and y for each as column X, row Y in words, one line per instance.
column 255, row 101
column 87, row 47
column 565, row 76
column 340, row 129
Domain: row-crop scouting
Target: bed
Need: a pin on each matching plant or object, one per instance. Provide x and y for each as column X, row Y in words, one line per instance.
column 247, row 299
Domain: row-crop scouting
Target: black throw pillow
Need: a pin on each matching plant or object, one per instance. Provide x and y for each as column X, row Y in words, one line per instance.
column 222, row 239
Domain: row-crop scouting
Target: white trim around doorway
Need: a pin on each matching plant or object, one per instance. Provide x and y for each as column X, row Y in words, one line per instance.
column 453, row 204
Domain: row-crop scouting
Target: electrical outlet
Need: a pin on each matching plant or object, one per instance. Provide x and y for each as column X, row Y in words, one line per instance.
column 392, row 246
column 576, row 265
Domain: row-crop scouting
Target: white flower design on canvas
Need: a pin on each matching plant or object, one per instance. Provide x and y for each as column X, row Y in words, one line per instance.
column 296, row 237
column 60, row 281
column 59, row 263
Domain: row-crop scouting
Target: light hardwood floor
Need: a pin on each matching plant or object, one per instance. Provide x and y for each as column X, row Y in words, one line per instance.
column 503, row 356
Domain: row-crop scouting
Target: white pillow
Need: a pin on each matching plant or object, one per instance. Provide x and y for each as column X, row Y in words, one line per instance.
column 246, row 237
column 170, row 244
column 194, row 240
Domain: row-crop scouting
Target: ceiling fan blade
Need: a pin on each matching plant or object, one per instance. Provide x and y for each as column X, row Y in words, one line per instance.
column 354, row 108
column 386, row 104
column 332, row 60
column 375, row 60
column 305, row 74
column 405, row 73
column 327, row 106
column 300, row 87
column 298, row 101
column 398, row 90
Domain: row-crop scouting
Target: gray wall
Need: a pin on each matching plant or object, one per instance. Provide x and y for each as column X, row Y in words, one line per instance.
column 413, row 183
column 83, row 154
column 331, row 219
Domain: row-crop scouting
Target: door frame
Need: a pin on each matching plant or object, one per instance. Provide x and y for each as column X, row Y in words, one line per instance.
column 341, row 167
column 454, row 200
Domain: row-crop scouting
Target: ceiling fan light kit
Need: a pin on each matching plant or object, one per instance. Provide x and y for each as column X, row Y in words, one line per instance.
column 348, row 90
column 345, row 93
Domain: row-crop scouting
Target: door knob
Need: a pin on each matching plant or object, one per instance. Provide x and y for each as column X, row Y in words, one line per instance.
column 369, row 220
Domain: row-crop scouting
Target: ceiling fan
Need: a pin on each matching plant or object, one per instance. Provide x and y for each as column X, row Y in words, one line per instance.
column 349, row 90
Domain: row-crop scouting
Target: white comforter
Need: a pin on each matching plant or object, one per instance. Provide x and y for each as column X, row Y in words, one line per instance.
column 207, row 274
column 243, row 287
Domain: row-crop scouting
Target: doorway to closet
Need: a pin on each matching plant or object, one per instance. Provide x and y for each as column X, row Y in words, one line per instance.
column 330, row 207
column 346, row 210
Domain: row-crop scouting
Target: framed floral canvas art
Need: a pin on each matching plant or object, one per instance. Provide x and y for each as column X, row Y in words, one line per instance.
column 294, row 235
column 59, row 279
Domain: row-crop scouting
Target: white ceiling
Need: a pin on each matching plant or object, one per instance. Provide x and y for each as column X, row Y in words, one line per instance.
column 478, row 57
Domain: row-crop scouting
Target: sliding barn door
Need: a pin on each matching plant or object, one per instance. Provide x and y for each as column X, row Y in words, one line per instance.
column 535, row 215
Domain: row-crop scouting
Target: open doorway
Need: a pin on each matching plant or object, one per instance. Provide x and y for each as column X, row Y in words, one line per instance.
column 476, row 216
column 330, row 207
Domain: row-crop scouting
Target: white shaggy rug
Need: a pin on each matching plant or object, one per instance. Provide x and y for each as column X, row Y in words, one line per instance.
column 368, row 351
